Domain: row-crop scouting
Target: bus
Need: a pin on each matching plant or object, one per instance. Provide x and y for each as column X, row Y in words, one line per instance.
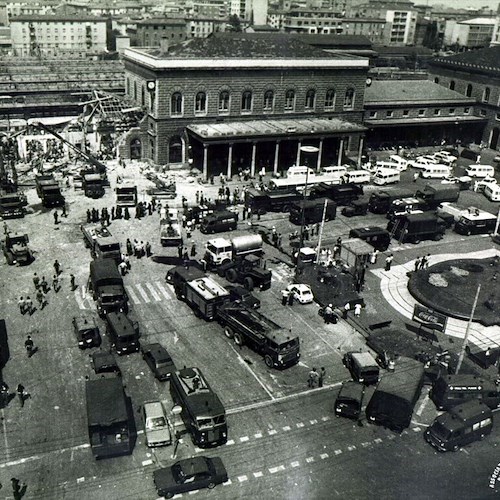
column 201, row 409
column 451, row 390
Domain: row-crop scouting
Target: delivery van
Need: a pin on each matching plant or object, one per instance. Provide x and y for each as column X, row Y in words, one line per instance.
column 362, row 366
column 492, row 192
column 219, row 222
column 475, row 221
column 350, row 400
column 463, row 424
column 386, row 164
column 385, row 176
column 480, row 171
column 357, row 177
column 299, row 170
column 401, row 162
column 437, row 171
column 333, row 171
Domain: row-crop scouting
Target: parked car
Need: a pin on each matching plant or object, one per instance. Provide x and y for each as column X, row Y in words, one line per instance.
column 302, row 293
column 86, row 331
column 156, row 424
column 243, row 295
column 188, row 475
column 158, row 360
column 480, row 185
column 104, row 364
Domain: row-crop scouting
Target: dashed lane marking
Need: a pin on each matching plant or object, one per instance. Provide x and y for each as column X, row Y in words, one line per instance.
column 286, row 428
column 163, row 290
column 132, row 295
column 324, row 456
column 309, row 459
column 243, row 478
column 244, row 439
column 278, row 468
column 258, row 435
column 258, row 474
column 272, row 432
column 295, row 464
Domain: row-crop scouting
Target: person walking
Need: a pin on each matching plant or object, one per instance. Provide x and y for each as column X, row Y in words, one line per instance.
column 130, row 249
column 36, row 280
column 193, row 249
column 40, row 297
column 44, row 285
column 357, row 310
column 22, row 305
column 123, row 268
column 417, row 264
column 55, row 283
column 64, row 214
column 126, row 259
column 57, row 267
column 89, row 216
column 374, row 256
column 29, row 346
column 56, row 218
column 322, row 375
column 179, row 250
column 291, row 297
column 29, row 305
column 425, row 261
column 21, row 394
column 313, row 379
column 388, row 262
column 72, row 282
column 148, row 249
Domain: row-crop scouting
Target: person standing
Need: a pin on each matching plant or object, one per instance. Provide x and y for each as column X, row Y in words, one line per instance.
column 126, row 259
column 57, row 267
column 322, row 375
column 89, row 216
column 40, row 297
column 388, row 262
column 417, row 264
column 29, row 305
column 357, row 310
column 36, row 281
column 56, row 217
column 44, row 285
column 313, row 379
column 291, row 297
column 130, row 249
column 123, row 268
column 29, row 346
column 425, row 261
column 4, row 394
column 20, row 394
column 22, row 305
column 55, row 283
column 284, row 297
column 193, row 249
column 148, row 249
column 72, row 282
column 64, row 214
column 374, row 256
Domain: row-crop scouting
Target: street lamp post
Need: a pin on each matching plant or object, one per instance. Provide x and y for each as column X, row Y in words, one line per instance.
column 305, row 149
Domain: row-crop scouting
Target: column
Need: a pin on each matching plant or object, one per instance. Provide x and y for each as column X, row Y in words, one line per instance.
column 276, row 157
column 360, row 150
column 230, row 160
column 252, row 166
column 341, row 152
column 205, row 162
column 320, row 153
column 299, row 145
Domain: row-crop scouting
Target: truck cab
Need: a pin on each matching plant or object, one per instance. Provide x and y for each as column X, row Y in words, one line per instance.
column 12, row 206
column 106, row 285
column 363, row 367
column 16, row 250
column 101, row 242
column 126, row 196
column 93, row 185
column 221, row 251
column 248, row 271
column 475, row 221
column 123, row 332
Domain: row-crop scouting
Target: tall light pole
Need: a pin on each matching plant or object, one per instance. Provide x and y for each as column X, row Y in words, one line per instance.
column 466, row 336
column 305, row 149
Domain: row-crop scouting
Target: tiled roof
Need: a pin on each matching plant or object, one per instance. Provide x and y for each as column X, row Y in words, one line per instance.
column 410, row 91
column 335, row 40
column 246, row 45
column 57, row 18
column 485, row 60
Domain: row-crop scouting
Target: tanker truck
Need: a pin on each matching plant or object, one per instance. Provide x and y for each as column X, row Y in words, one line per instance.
column 239, row 260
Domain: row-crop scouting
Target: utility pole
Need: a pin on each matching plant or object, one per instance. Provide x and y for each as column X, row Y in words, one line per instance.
column 466, row 337
column 320, row 236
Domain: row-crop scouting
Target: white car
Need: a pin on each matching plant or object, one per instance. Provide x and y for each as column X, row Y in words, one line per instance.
column 156, row 425
column 422, row 161
column 480, row 185
column 301, row 293
column 446, row 158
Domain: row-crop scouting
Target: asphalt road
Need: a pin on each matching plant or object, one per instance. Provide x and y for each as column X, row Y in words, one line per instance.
column 284, row 439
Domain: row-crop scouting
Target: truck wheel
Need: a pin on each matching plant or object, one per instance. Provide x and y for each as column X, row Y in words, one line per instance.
column 269, row 361
column 238, row 339
column 231, row 275
column 211, row 486
column 10, row 259
column 248, row 283
column 228, row 332
column 416, row 241
column 438, row 237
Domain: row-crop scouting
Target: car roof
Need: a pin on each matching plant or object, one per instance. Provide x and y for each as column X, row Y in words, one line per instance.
column 301, row 286
column 194, row 465
column 102, row 359
column 156, row 349
column 154, row 409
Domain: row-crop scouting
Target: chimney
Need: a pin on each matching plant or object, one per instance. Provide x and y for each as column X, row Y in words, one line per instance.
column 164, row 44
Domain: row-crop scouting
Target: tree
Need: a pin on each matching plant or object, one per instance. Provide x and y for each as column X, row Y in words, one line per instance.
column 431, row 37
column 235, row 23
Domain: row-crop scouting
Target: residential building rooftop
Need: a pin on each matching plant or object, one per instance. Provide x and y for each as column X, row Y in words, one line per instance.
column 485, row 60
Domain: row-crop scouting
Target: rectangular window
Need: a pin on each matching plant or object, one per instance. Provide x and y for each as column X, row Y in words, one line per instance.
column 466, row 111
column 373, row 114
column 421, row 112
column 452, row 111
column 389, row 114
column 482, row 112
column 437, row 112
column 406, row 112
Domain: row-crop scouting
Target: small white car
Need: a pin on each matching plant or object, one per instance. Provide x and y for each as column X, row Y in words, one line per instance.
column 446, row 158
column 156, row 425
column 480, row 185
column 422, row 161
column 301, row 293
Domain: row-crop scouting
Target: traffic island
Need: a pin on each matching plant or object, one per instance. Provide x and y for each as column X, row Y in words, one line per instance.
column 450, row 287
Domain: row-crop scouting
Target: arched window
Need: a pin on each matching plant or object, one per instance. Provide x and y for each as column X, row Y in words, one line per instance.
column 310, row 99
column 452, row 84
column 486, row 94
column 176, row 104
column 127, row 86
column 330, row 99
column 436, row 80
column 268, row 100
column 468, row 90
column 290, row 100
column 246, row 101
column 135, row 91
column 224, row 102
column 349, row 99
column 200, row 104
column 143, row 95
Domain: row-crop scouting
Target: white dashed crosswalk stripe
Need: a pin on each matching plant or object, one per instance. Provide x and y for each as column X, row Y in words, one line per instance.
column 163, row 290
column 132, row 295
column 143, row 293
column 154, row 293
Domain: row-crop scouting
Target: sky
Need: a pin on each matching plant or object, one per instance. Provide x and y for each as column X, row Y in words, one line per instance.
column 461, row 4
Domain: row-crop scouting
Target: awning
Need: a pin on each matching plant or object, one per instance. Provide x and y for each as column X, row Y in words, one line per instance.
column 425, row 122
column 52, row 120
column 273, row 129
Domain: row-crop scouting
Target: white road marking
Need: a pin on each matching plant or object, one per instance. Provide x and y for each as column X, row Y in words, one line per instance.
column 365, row 444
column 228, row 482
column 323, row 456
column 338, row 452
column 271, row 432
column 244, row 439
column 417, row 429
column 420, row 409
column 286, row 428
column 313, row 421
column 153, row 292
column 132, row 295
column 258, row 474
column 377, row 440
column 147, row 462
column 295, row 464
column 163, row 290
column 309, row 459
column 80, row 298
column 230, row 442
column 143, row 293
column 300, row 425
column 80, row 480
column 4, row 429
column 258, row 435
column 273, row 470
column 325, row 419
column 241, row 479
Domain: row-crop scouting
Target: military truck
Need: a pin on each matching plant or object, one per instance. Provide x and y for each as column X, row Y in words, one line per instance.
column 221, row 251
column 260, row 202
column 93, row 184
column 311, row 211
column 106, row 285
column 16, row 250
column 434, row 194
column 101, row 242
column 341, row 194
column 242, row 323
column 170, row 228
column 380, row 201
column 49, row 191
column 12, row 206
column 126, row 196
column 414, row 228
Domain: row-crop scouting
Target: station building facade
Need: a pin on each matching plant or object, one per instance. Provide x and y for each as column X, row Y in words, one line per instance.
column 239, row 102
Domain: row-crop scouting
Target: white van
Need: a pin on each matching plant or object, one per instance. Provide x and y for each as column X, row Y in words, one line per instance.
column 492, row 192
column 480, row 171
column 445, row 158
column 438, row 171
column 357, row 176
column 387, row 164
column 299, row 171
column 402, row 162
column 386, row 176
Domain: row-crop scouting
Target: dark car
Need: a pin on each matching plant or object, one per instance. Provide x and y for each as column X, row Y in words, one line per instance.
column 190, row 474
column 86, row 331
column 243, row 295
column 104, row 364
column 158, row 360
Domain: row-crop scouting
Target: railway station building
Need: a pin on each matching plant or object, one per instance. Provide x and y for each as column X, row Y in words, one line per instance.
column 238, row 102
